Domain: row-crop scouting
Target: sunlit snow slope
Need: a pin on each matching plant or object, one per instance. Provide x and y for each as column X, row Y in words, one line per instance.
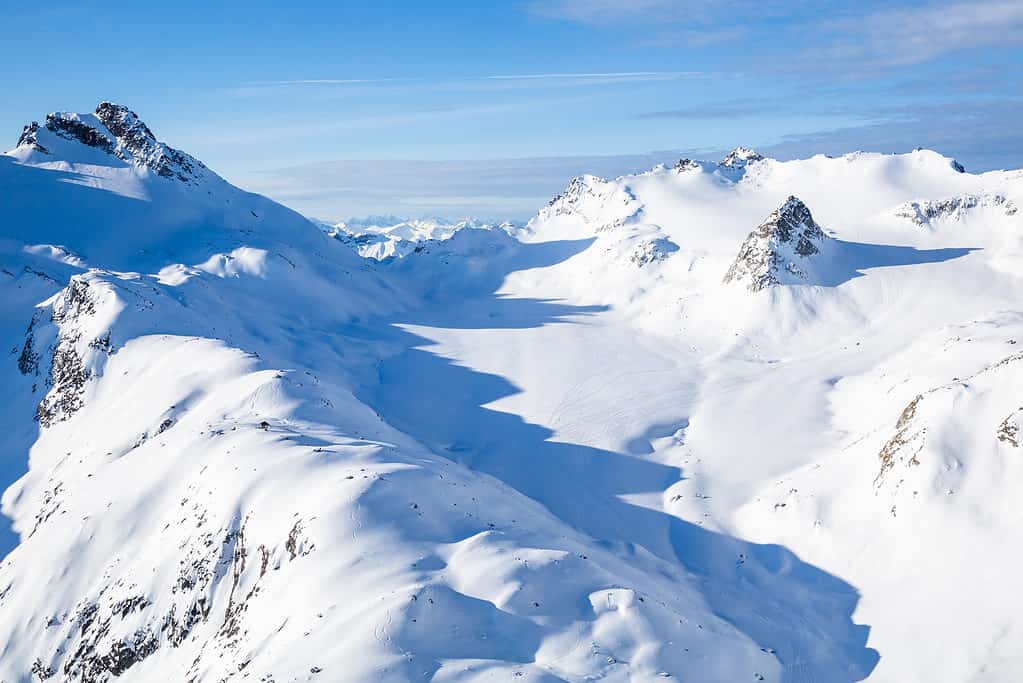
column 716, row 422
column 384, row 237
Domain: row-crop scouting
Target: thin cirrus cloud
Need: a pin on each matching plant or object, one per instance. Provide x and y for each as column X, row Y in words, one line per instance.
column 983, row 135
column 622, row 76
column 720, row 20
column 907, row 36
column 495, row 188
column 606, row 12
column 870, row 34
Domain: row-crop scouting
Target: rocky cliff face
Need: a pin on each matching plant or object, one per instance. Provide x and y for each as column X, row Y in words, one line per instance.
column 116, row 130
column 779, row 249
column 134, row 141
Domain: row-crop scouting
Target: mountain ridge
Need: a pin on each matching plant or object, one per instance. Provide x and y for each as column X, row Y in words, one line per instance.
column 238, row 449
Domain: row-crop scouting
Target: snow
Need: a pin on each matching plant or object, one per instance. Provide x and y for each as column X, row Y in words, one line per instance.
column 384, row 237
column 242, row 446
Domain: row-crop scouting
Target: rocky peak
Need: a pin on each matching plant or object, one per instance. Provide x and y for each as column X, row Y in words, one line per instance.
column 578, row 187
column 605, row 204
column 779, row 249
column 740, row 157
column 28, row 137
column 72, row 127
column 116, row 130
column 686, row 164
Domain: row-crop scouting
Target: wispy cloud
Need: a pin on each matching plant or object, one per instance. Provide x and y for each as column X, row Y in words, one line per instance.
column 727, row 14
column 639, row 75
column 714, row 110
column 984, row 135
column 497, row 188
column 606, row 12
column 273, row 131
column 823, row 35
column 561, row 78
column 329, row 81
column 901, row 37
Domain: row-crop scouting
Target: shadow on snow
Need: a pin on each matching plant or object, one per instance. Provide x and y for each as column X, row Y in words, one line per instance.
column 766, row 591
column 855, row 257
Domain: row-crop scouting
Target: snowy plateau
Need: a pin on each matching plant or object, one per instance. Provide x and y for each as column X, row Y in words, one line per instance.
column 717, row 422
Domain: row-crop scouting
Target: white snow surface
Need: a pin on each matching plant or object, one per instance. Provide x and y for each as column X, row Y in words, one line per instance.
column 238, row 450
column 385, row 237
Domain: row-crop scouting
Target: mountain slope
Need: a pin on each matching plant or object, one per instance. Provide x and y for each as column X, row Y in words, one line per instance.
column 563, row 453
column 210, row 493
column 383, row 237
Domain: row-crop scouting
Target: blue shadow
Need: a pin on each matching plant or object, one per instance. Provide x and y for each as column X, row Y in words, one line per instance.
column 855, row 257
column 800, row 612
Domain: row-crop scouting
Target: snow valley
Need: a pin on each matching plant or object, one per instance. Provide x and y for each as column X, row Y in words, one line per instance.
column 746, row 420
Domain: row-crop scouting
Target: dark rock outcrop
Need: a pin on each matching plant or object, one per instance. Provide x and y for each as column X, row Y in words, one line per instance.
column 740, row 157
column 777, row 251
column 118, row 131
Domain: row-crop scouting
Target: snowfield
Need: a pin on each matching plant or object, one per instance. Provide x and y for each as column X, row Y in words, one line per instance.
column 741, row 421
column 387, row 237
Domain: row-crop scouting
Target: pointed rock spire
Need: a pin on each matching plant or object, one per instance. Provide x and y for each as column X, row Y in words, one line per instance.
column 779, row 249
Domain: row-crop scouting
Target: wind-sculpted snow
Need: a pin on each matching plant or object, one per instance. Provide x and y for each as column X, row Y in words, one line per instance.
column 235, row 449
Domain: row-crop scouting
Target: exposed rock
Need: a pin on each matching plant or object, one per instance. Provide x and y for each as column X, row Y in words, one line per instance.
column 68, row 376
column 906, row 440
column 136, row 142
column 68, row 372
column 652, row 251
column 1008, row 431
column 572, row 196
column 118, row 131
column 776, row 252
column 740, row 157
column 686, row 164
column 28, row 360
column 596, row 201
column 70, row 127
column 28, row 137
column 953, row 208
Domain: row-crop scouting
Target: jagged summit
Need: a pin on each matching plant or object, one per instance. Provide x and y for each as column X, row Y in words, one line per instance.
column 605, row 204
column 740, row 157
column 686, row 164
column 116, row 130
column 577, row 188
column 776, row 252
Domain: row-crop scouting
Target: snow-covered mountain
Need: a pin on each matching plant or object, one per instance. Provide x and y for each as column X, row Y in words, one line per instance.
column 780, row 250
column 383, row 237
column 749, row 420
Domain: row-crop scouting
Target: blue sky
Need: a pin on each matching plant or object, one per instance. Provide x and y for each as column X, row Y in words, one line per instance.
column 487, row 109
